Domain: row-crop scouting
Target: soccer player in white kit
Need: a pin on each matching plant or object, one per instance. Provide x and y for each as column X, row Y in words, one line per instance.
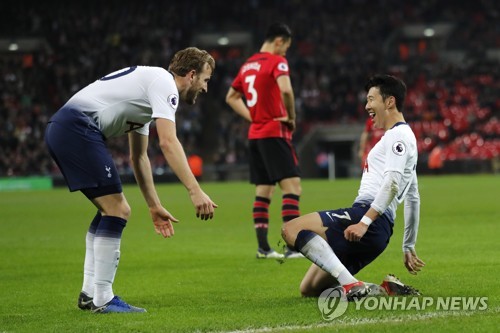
column 125, row 102
column 341, row 242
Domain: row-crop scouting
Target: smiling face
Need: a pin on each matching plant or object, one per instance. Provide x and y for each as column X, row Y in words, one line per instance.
column 199, row 83
column 377, row 107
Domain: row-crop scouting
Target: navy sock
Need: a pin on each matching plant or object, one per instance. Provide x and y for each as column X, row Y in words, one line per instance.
column 95, row 222
column 303, row 237
column 111, row 227
column 107, row 256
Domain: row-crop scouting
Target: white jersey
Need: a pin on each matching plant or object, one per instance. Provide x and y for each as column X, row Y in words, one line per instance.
column 128, row 100
column 396, row 151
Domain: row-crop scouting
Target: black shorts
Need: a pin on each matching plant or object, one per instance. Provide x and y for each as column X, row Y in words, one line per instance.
column 271, row 160
column 356, row 255
column 78, row 147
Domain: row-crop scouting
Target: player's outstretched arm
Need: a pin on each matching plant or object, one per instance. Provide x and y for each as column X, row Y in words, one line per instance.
column 162, row 219
column 412, row 220
column 176, row 158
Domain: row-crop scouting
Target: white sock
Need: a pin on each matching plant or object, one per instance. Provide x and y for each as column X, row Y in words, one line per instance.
column 318, row 251
column 345, row 277
column 107, row 256
column 88, row 266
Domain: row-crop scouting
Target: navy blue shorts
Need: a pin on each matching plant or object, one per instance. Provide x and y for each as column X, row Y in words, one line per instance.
column 78, row 147
column 356, row 255
column 271, row 160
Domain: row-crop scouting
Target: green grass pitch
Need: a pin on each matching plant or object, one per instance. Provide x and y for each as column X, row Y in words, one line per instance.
column 206, row 278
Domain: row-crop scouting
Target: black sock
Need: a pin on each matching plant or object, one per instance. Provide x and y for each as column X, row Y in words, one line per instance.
column 261, row 221
column 290, row 207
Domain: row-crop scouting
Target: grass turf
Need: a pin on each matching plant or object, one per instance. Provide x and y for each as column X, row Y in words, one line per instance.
column 206, row 277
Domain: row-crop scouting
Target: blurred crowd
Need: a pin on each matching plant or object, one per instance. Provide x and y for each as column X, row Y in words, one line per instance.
column 453, row 105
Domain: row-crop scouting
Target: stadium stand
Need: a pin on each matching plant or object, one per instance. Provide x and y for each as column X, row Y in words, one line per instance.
column 448, row 52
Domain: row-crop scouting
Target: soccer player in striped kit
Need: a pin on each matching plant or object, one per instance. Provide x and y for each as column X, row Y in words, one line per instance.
column 264, row 82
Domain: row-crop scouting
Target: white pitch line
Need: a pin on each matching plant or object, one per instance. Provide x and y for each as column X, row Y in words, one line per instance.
column 366, row 321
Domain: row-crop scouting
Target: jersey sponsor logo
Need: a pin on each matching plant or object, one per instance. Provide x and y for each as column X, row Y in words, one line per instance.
column 173, row 100
column 283, row 66
column 399, row 148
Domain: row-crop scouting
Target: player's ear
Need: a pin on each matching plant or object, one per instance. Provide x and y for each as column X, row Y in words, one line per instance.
column 191, row 75
column 390, row 101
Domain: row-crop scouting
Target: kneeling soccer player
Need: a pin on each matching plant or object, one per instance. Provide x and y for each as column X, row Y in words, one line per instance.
column 341, row 242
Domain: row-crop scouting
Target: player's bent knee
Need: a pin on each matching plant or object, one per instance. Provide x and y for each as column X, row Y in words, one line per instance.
column 298, row 190
column 125, row 211
column 113, row 205
column 122, row 210
column 288, row 235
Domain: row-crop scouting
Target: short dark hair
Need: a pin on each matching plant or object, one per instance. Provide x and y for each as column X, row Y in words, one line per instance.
column 190, row 58
column 389, row 86
column 278, row 29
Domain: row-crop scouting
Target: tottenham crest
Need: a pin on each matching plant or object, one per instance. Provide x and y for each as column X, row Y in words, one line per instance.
column 399, row 148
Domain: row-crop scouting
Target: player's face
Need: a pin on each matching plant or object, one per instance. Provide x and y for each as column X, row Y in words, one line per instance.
column 199, row 84
column 283, row 45
column 376, row 108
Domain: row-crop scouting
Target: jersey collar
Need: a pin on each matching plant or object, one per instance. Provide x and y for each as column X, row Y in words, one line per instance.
column 399, row 123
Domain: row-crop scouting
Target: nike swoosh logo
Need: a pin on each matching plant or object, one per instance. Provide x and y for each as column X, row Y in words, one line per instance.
column 403, row 192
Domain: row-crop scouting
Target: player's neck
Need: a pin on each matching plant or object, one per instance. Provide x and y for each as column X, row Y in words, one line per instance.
column 182, row 82
column 393, row 119
column 268, row 48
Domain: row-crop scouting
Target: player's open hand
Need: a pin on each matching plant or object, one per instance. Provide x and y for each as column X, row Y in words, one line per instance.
column 413, row 263
column 355, row 232
column 204, row 206
column 162, row 221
